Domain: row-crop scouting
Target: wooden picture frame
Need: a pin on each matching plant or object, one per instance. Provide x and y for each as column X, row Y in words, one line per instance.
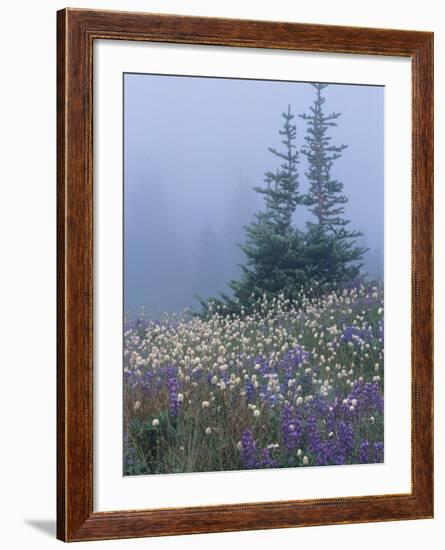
column 76, row 32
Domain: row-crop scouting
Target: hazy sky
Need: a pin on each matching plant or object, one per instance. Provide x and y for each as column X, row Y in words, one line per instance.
column 193, row 150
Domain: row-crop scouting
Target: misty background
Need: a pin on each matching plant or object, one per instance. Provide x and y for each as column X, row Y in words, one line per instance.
column 194, row 148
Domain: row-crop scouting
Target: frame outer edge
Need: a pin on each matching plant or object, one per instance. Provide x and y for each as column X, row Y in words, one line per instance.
column 61, row 305
column 74, row 275
column 75, row 517
column 423, row 265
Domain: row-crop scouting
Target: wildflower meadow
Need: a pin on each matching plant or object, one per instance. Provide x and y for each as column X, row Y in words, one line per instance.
column 289, row 384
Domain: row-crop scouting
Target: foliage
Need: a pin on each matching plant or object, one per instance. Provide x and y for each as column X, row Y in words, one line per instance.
column 280, row 258
column 332, row 249
column 281, row 193
column 329, row 260
column 274, row 248
column 293, row 383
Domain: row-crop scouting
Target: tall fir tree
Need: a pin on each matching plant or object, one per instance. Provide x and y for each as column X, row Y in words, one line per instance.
column 274, row 247
column 332, row 251
column 281, row 193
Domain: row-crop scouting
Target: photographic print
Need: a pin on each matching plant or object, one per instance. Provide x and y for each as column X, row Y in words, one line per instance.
column 253, row 274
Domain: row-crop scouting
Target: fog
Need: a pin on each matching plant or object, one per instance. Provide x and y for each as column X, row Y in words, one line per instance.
column 195, row 147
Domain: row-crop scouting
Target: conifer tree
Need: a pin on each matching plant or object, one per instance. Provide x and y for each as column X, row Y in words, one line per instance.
column 273, row 246
column 333, row 253
column 281, row 194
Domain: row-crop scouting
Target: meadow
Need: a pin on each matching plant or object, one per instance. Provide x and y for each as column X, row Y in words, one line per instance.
column 292, row 383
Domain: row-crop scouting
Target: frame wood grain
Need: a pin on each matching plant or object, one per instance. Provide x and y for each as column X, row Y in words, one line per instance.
column 76, row 32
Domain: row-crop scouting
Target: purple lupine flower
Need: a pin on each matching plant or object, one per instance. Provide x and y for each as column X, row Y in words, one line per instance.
column 290, row 428
column 291, row 362
column 313, row 436
column 336, row 453
column 364, row 452
column 378, row 449
column 248, row 450
column 346, row 436
column 265, row 460
column 263, row 362
column 368, row 396
column 145, row 380
column 250, row 391
column 349, row 332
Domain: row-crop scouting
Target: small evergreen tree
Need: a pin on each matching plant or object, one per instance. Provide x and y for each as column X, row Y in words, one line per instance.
column 274, row 248
column 332, row 250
